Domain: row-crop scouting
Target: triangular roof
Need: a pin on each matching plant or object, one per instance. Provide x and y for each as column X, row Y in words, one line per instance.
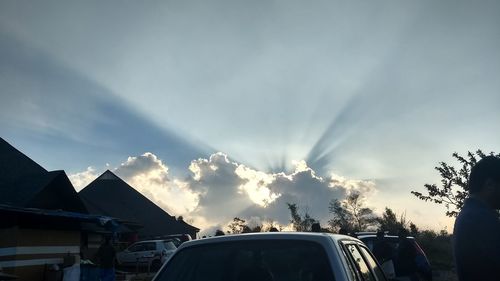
column 111, row 196
column 57, row 193
column 21, row 191
column 14, row 164
column 24, row 183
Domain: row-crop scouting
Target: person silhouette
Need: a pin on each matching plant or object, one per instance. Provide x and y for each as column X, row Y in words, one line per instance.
column 406, row 254
column 316, row 227
column 273, row 229
column 343, row 231
column 384, row 254
column 476, row 234
column 106, row 256
column 381, row 248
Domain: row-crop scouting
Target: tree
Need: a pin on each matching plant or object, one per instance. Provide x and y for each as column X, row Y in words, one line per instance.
column 454, row 183
column 342, row 219
column 238, row 226
column 414, row 231
column 270, row 224
column 351, row 215
column 219, row 232
column 390, row 222
column 300, row 222
column 437, row 247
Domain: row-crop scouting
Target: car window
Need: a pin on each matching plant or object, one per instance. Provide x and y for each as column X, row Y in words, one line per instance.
column 169, row 245
column 276, row 260
column 362, row 267
column 392, row 242
column 373, row 264
column 369, row 243
column 136, row 247
column 150, row 246
column 350, row 269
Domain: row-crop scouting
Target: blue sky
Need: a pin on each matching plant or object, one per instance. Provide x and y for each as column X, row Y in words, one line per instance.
column 377, row 92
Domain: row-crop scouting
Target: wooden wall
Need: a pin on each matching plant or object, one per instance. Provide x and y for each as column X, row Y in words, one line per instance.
column 28, row 253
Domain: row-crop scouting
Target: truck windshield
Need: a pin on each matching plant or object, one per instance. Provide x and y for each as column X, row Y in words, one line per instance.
column 264, row 260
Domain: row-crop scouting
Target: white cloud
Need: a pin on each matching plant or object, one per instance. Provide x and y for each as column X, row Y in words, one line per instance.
column 365, row 187
column 256, row 185
column 149, row 175
column 221, row 196
column 82, row 179
column 145, row 167
column 219, row 189
column 228, row 189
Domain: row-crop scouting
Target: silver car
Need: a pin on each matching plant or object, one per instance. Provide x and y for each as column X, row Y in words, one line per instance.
column 281, row 256
column 152, row 253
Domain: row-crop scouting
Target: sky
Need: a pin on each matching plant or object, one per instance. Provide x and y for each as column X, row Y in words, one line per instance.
column 216, row 109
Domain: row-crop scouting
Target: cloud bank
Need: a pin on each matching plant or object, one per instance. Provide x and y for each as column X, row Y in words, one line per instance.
column 217, row 189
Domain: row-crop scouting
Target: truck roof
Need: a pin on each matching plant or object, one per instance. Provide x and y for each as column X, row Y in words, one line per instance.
column 270, row 236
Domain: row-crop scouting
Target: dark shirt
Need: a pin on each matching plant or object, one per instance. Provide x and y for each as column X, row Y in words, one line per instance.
column 382, row 251
column 106, row 255
column 476, row 242
column 406, row 263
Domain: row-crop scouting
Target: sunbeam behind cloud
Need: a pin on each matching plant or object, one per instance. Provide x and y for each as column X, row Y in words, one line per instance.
column 219, row 189
column 378, row 90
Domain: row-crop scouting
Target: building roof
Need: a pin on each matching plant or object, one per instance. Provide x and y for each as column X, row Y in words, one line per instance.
column 14, row 164
column 18, row 169
column 21, row 191
column 110, row 195
column 62, row 219
column 24, row 183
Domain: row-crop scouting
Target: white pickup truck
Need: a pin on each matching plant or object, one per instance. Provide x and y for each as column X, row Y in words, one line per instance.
column 284, row 256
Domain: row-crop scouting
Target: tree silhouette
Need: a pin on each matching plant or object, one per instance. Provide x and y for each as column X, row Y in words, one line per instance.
column 219, row 232
column 390, row 222
column 300, row 222
column 270, row 224
column 454, row 183
column 238, row 226
column 351, row 215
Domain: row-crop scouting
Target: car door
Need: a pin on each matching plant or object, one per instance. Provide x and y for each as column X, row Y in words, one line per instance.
column 362, row 262
column 129, row 256
column 370, row 259
column 168, row 248
column 147, row 252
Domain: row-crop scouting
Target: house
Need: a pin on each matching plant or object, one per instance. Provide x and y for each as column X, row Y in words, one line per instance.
column 24, row 183
column 33, row 240
column 42, row 218
column 111, row 196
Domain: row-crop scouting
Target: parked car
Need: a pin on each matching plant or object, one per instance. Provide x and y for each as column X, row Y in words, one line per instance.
column 423, row 264
column 181, row 237
column 276, row 256
column 152, row 253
